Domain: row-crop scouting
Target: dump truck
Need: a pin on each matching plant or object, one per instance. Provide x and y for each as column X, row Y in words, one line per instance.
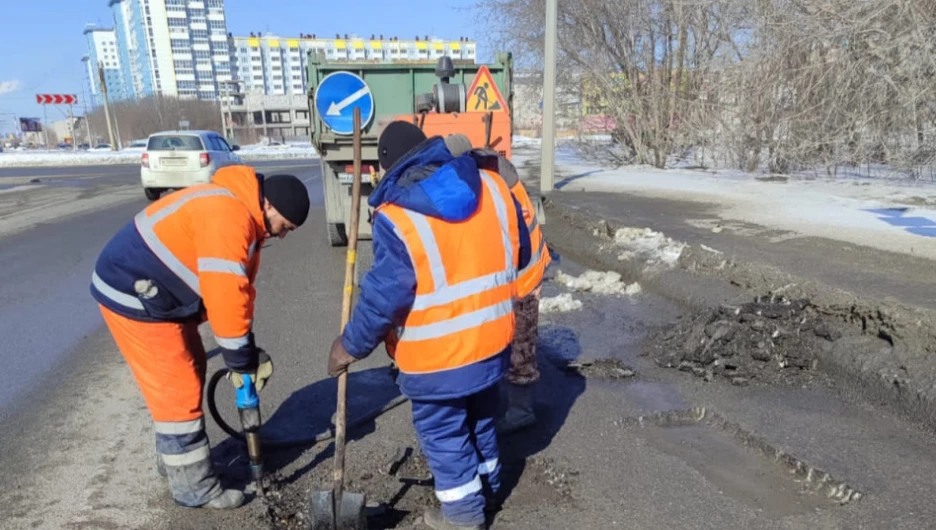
column 436, row 95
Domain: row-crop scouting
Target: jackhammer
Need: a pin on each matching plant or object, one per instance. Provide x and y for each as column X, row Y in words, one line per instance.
column 248, row 408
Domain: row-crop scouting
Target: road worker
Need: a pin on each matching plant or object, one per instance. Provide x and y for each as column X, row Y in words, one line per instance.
column 524, row 372
column 448, row 241
column 191, row 257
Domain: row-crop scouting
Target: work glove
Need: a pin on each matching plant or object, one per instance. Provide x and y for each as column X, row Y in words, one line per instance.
column 259, row 376
column 338, row 358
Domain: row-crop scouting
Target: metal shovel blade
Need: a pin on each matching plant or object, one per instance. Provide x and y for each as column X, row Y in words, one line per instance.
column 351, row 511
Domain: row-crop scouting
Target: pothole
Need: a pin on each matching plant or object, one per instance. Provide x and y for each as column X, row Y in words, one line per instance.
column 601, row 369
column 742, row 465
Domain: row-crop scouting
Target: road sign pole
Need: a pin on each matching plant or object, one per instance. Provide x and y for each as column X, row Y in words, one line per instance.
column 548, row 153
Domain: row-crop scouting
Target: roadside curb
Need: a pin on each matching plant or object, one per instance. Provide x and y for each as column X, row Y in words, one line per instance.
column 889, row 360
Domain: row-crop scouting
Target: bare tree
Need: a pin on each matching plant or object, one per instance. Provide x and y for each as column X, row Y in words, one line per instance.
column 138, row 119
column 780, row 85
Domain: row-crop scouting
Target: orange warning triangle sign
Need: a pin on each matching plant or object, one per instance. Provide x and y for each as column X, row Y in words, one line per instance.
column 484, row 96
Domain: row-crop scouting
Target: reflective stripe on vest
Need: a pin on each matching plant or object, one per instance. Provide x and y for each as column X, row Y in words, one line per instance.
column 442, row 309
column 123, row 299
column 532, row 275
column 146, row 225
column 445, row 293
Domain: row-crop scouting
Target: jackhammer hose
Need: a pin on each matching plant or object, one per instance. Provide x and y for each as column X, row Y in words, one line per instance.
column 321, row 437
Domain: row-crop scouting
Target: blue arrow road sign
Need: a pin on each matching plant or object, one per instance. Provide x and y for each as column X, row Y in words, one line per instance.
column 338, row 95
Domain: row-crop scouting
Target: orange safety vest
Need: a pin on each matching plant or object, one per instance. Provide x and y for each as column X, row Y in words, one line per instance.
column 532, row 275
column 466, row 276
column 208, row 236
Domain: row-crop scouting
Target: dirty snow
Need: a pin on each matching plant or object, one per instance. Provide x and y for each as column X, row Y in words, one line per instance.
column 562, row 303
column 48, row 158
column 889, row 214
column 649, row 246
column 597, row 282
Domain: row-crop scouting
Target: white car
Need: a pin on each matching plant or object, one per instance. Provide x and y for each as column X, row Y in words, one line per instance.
column 178, row 159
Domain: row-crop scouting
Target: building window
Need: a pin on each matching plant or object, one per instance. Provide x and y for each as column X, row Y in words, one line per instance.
column 257, row 68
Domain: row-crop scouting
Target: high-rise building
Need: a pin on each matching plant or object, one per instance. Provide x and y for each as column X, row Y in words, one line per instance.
column 172, row 47
column 102, row 50
column 276, row 66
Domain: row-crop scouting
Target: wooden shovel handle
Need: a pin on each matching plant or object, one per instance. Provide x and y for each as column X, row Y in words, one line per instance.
column 341, row 414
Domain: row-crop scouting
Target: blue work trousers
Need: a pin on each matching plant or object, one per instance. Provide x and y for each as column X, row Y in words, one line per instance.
column 459, row 440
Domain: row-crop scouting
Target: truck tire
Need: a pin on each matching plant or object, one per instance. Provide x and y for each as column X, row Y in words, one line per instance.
column 151, row 193
column 337, row 237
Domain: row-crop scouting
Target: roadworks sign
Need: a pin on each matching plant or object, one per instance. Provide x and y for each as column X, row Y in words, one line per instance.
column 484, row 96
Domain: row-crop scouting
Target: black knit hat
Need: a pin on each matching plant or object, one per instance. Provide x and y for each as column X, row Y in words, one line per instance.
column 397, row 139
column 289, row 196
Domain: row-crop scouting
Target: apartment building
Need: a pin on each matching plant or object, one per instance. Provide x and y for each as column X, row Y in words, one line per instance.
column 268, row 97
column 172, row 47
column 276, row 66
column 102, row 50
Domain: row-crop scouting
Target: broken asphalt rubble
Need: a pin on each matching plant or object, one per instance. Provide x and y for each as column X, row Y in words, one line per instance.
column 774, row 327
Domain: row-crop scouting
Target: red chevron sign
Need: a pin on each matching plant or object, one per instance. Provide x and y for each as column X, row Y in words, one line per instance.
column 56, row 99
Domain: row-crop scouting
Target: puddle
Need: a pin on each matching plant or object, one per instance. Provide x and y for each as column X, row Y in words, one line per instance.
column 743, row 466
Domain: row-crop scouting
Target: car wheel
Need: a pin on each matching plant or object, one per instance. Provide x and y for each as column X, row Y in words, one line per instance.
column 151, row 193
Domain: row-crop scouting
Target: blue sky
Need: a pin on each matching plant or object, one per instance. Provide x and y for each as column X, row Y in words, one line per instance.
column 44, row 43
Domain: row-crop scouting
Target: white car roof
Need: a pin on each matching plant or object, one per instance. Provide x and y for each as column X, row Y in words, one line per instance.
column 185, row 133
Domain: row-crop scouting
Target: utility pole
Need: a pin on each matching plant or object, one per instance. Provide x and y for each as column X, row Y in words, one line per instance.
column 45, row 125
column 548, row 155
column 71, row 128
column 221, row 87
column 84, row 103
column 107, row 116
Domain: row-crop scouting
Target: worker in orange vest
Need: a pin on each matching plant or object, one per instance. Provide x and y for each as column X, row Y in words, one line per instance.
column 190, row 257
column 448, row 241
column 524, row 372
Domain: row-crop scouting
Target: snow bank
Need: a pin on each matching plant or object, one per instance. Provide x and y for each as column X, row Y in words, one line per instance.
column 559, row 304
column 56, row 159
column 597, row 282
column 289, row 152
column 132, row 156
column 651, row 247
column 525, row 141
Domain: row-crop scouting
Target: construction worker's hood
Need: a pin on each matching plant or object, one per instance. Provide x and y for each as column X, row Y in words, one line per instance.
column 431, row 181
column 246, row 185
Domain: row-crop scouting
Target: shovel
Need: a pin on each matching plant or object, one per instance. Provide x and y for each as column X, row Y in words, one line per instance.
column 337, row 509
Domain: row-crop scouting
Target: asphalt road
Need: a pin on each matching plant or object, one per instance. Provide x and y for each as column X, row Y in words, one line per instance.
column 45, row 271
column 76, row 446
